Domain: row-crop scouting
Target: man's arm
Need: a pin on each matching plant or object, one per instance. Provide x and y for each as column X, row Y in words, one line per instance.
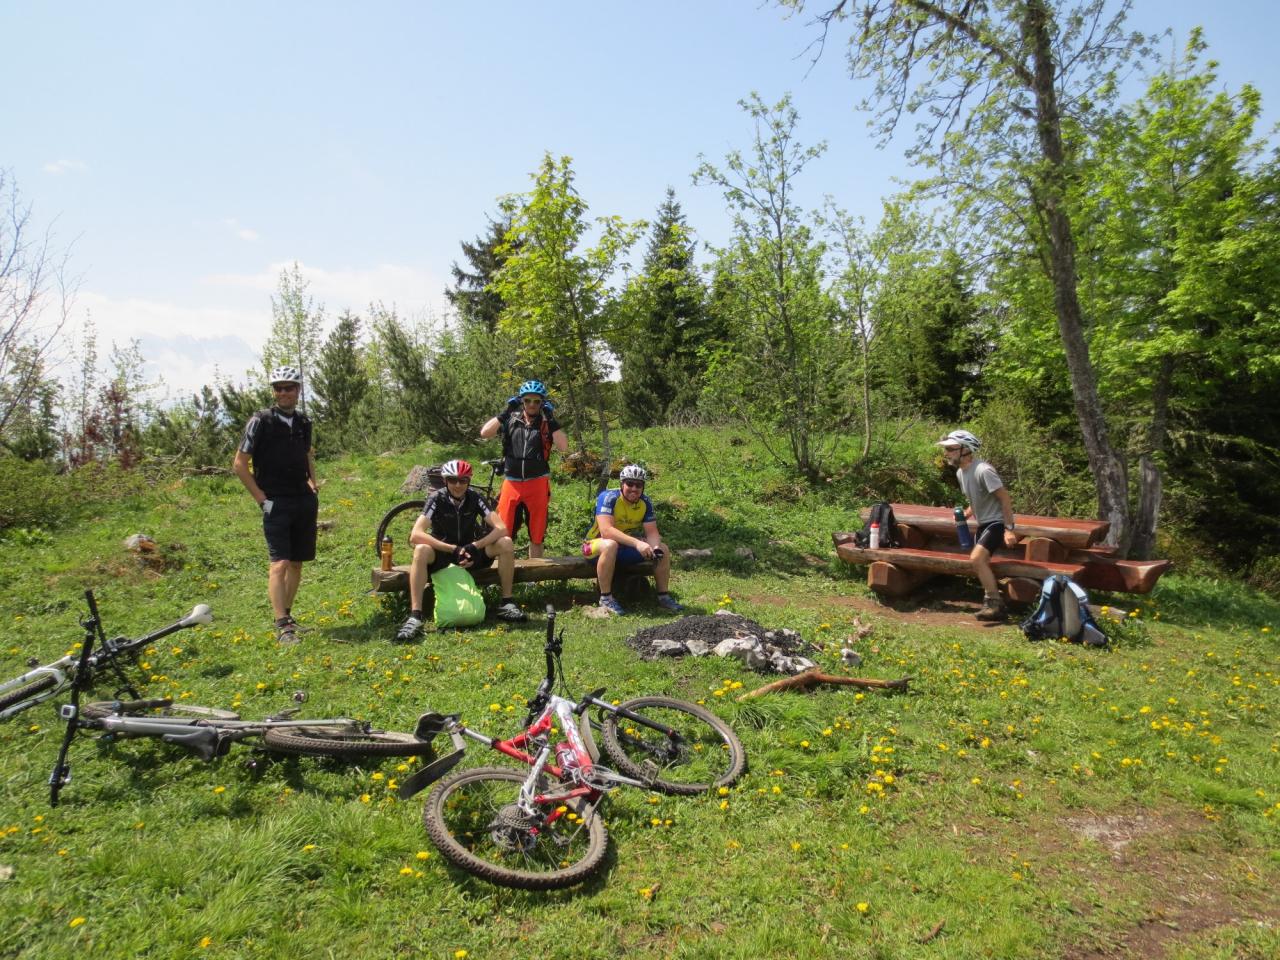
column 421, row 533
column 560, row 441
column 651, row 533
column 312, row 479
column 1006, row 505
column 490, row 428
column 240, row 467
column 610, row 531
column 497, row 530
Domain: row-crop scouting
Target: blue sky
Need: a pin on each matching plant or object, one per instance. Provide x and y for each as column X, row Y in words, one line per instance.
column 189, row 152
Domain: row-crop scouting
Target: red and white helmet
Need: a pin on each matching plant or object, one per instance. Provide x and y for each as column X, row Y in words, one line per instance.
column 455, row 469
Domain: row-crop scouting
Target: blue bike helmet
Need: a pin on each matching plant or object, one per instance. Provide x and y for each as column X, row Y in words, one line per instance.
column 533, row 386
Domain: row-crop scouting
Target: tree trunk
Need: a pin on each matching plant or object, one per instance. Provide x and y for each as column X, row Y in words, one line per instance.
column 1151, row 488
column 1108, row 468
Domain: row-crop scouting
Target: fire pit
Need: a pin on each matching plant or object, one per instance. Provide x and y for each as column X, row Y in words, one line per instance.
column 725, row 634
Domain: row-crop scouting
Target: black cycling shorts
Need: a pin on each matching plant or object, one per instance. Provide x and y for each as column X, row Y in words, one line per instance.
column 991, row 535
column 290, row 527
column 442, row 560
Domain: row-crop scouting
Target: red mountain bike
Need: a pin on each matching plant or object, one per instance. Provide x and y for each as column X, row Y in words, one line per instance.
column 540, row 829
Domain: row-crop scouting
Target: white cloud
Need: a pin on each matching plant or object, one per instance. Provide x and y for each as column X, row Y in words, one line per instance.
column 187, row 344
column 59, row 167
column 244, row 233
column 409, row 289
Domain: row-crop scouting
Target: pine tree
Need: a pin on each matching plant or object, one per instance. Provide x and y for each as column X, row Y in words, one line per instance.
column 477, row 303
column 339, row 379
column 665, row 323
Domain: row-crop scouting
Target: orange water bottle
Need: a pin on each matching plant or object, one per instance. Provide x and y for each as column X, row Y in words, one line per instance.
column 385, row 553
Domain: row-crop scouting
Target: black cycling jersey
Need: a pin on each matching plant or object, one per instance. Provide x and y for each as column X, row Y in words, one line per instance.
column 526, row 447
column 457, row 523
column 279, row 450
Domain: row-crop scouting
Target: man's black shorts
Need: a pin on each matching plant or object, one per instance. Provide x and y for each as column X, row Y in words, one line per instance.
column 290, row 527
column 442, row 560
column 991, row 535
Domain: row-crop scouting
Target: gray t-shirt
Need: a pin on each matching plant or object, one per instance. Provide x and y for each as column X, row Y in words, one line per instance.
column 979, row 481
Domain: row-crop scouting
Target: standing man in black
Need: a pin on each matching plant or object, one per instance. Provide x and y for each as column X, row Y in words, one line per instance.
column 282, row 482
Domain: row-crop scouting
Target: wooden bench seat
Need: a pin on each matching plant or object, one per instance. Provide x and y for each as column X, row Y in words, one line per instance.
column 396, row 580
column 956, row 562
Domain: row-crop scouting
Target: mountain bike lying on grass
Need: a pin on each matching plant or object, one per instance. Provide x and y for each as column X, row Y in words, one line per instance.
column 43, row 682
column 541, row 830
column 209, row 733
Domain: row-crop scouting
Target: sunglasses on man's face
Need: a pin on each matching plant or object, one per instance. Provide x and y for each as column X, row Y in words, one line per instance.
column 950, row 449
column 536, row 401
column 633, row 483
column 284, row 387
column 463, row 481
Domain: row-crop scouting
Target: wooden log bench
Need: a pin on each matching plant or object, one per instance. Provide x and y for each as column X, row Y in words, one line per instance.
column 1049, row 545
column 396, row 580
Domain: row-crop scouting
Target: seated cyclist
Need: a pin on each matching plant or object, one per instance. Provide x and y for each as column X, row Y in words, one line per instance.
column 457, row 526
column 625, row 532
column 529, row 433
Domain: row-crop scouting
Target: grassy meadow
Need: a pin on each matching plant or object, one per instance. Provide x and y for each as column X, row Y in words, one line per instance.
column 1021, row 801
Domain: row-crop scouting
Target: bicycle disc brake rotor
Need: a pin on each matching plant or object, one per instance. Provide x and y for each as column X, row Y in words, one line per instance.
column 514, row 830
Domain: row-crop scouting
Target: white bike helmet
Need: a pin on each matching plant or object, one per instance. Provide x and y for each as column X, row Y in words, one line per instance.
column 633, row 471
column 961, row 438
column 286, row 374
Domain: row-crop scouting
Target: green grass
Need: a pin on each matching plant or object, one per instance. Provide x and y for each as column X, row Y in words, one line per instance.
column 1033, row 798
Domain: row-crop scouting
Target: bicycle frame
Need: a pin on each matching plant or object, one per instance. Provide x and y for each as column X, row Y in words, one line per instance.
column 65, row 670
column 207, row 737
column 576, row 763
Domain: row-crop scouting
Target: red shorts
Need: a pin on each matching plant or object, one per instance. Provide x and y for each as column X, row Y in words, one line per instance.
column 535, row 495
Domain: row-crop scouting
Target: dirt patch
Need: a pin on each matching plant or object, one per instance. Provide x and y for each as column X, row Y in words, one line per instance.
column 933, row 605
column 1171, row 865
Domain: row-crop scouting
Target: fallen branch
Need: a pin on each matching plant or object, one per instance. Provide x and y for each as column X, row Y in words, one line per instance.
column 937, row 929
column 811, row 678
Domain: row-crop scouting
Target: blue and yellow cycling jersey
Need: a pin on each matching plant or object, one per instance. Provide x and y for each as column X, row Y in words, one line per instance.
column 630, row 518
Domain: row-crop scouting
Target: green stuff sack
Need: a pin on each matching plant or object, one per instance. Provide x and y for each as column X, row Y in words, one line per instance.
column 459, row 602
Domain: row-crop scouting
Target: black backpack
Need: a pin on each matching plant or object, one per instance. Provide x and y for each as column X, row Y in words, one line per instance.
column 1064, row 612
column 882, row 514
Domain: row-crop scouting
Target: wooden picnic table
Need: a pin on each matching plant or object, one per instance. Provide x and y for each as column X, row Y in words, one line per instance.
column 940, row 522
column 1049, row 546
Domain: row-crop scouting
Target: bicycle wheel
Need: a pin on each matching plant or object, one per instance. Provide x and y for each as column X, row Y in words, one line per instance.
column 349, row 743
column 31, row 689
column 473, row 819
column 394, row 523
column 704, row 753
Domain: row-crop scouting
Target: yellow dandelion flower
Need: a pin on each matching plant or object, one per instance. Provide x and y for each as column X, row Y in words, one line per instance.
column 406, row 871
column 423, row 855
column 863, row 906
column 204, row 942
column 75, row 922
column 219, row 789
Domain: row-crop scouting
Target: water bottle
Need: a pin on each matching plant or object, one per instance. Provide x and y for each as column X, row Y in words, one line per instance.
column 873, row 540
column 962, row 530
column 385, row 553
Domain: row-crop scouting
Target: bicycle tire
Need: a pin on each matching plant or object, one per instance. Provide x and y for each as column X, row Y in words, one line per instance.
column 31, row 689
column 389, row 518
column 349, row 744
column 462, row 818
column 710, row 756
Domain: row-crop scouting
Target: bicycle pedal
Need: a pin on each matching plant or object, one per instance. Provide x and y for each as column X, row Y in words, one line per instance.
column 649, row 773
